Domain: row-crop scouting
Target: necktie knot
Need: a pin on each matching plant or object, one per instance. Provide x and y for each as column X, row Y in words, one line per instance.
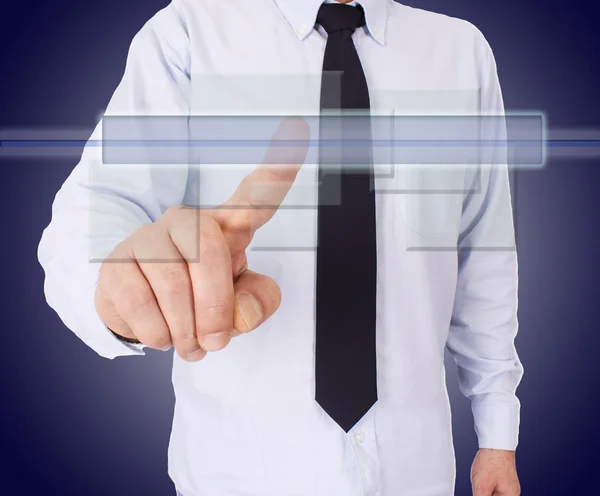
column 339, row 17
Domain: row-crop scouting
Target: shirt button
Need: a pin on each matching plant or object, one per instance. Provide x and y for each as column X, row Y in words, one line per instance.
column 302, row 29
column 360, row 437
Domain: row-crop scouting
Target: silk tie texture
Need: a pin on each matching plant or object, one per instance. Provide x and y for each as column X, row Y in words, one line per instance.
column 346, row 258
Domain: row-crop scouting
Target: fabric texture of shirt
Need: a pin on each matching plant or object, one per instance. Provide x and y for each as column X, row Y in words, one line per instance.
column 246, row 422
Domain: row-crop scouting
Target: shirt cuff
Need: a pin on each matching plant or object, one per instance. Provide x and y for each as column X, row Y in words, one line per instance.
column 497, row 425
column 136, row 348
column 103, row 341
column 88, row 325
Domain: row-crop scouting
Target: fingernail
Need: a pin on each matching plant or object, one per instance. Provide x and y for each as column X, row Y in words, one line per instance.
column 216, row 341
column 194, row 356
column 250, row 310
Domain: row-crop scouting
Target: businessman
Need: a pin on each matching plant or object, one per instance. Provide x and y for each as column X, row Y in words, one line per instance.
column 309, row 306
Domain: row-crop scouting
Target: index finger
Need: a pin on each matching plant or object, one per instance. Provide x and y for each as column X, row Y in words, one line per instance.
column 261, row 193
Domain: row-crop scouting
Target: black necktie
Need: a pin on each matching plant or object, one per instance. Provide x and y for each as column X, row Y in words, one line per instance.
column 346, row 283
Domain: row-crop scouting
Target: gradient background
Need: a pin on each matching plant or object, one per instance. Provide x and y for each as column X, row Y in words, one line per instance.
column 73, row 423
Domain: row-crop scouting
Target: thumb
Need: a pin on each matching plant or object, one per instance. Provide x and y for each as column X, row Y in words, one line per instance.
column 257, row 297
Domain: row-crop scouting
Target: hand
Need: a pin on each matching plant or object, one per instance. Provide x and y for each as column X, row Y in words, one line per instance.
column 183, row 280
column 494, row 473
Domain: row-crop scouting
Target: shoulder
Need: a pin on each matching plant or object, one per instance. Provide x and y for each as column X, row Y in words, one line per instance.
column 440, row 39
column 431, row 26
column 165, row 35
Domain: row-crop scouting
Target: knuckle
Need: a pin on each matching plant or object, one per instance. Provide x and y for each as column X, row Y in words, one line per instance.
column 175, row 281
column 209, row 227
column 172, row 212
column 211, row 249
column 237, row 220
column 133, row 300
column 238, row 217
column 109, row 272
column 181, row 216
column 144, row 233
column 111, row 269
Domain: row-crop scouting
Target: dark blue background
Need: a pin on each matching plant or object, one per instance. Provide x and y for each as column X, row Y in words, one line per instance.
column 73, row 423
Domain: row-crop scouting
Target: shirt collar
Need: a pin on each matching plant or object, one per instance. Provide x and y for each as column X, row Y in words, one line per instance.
column 302, row 15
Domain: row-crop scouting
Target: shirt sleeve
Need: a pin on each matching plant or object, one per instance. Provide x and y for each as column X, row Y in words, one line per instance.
column 101, row 204
column 484, row 321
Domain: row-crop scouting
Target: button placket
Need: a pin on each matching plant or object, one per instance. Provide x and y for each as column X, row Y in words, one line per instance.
column 365, row 450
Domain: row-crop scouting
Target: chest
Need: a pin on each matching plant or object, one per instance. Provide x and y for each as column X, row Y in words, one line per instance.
column 253, row 67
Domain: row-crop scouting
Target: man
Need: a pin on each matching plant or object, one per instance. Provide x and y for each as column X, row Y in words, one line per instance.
column 278, row 391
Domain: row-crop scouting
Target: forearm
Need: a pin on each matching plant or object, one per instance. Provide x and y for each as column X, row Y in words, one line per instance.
column 484, row 321
column 481, row 339
column 101, row 204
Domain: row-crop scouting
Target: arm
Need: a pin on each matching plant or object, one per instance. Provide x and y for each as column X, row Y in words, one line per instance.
column 100, row 205
column 484, row 322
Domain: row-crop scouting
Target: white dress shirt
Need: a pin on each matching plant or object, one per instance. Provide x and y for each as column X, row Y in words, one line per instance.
column 246, row 422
